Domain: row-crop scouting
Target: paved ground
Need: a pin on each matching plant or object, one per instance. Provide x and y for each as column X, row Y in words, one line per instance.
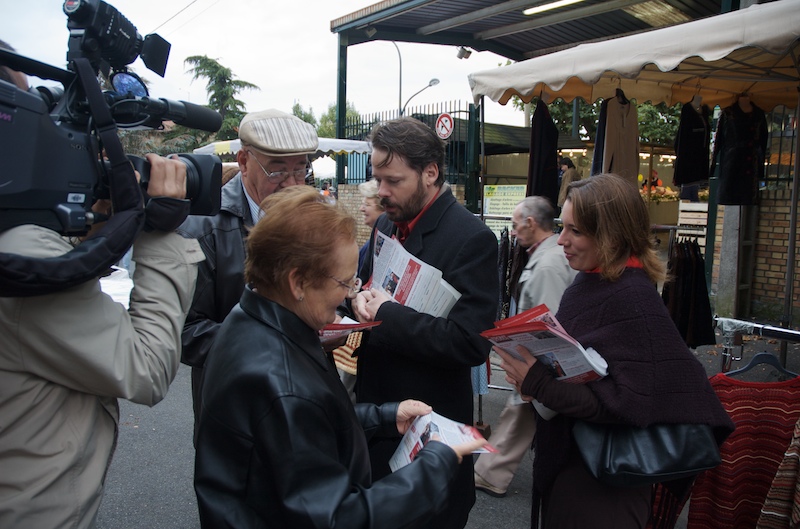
column 149, row 484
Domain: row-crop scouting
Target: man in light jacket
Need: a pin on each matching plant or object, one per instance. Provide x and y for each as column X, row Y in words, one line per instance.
column 67, row 356
column 546, row 276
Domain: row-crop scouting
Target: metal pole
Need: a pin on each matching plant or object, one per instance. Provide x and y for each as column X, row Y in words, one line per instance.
column 788, row 296
column 399, row 81
column 576, row 118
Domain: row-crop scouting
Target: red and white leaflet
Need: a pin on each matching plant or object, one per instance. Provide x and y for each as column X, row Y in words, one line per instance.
column 537, row 313
column 540, row 333
column 343, row 328
column 408, row 280
column 435, row 426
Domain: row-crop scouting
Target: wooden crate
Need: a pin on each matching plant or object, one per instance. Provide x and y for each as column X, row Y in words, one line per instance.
column 694, row 215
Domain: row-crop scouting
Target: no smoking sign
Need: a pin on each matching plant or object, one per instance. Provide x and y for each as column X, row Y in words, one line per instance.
column 444, row 126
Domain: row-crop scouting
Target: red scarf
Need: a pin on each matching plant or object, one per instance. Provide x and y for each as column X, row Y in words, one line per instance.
column 633, row 262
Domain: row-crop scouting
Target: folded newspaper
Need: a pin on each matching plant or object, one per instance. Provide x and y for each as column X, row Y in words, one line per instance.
column 438, row 427
column 539, row 332
column 410, row 281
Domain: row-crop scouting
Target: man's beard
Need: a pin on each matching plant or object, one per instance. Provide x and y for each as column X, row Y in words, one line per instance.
column 409, row 210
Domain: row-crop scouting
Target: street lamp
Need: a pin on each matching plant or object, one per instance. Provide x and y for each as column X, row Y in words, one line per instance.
column 432, row 82
column 399, row 80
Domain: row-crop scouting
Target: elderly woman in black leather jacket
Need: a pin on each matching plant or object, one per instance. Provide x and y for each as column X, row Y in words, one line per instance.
column 279, row 442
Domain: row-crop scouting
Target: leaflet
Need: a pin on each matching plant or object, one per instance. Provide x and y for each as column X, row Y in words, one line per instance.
column 332, row 331
column 540, row 333
column 410, row 281
column 441, row 429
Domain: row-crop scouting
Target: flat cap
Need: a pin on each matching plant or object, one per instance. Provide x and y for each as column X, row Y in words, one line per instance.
column 275, row 133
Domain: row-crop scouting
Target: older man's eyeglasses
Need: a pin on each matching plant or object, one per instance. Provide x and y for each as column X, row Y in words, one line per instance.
column 277, row 177
column 353, row 289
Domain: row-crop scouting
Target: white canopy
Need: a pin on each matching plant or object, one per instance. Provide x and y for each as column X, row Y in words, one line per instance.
column 324, row 167
column 326, row 146
column 752, row 50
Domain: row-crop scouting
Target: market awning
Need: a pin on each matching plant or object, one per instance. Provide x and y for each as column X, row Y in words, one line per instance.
column 752, row 50
column 326, row 146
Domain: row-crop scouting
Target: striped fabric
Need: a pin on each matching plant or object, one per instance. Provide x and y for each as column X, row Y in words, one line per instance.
column 765, row 413
column 781, row 509
column 343, row 356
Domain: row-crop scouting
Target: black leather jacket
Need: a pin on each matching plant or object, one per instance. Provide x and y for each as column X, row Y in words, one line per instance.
column 280, row 444
column 220, row 278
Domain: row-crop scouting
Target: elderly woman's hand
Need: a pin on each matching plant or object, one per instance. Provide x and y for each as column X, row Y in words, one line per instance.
column 408, row 411
column 367, row 302
column 467, row 448
column 515, row 369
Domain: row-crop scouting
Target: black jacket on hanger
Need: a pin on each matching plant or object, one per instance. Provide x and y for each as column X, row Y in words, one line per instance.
column 600, row 139
column 543, row 160
column 686, row 296
column 692, row 146
column 740, row 147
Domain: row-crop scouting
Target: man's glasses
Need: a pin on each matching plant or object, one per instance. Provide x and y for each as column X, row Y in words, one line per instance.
column 353, row 289
column 278, row 177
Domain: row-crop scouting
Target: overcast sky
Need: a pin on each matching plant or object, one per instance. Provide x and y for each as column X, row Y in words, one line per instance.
column 286, row 48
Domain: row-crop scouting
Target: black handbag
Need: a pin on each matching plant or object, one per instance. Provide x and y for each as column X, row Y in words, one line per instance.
column 628, row 456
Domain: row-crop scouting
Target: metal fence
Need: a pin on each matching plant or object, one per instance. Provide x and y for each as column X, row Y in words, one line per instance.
column 461, row 147
column 781, row 147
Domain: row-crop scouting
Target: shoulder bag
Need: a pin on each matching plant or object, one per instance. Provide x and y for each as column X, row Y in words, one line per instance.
column 628, row 456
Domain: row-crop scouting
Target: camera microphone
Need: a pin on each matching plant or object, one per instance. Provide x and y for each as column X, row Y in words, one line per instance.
column 182, row 113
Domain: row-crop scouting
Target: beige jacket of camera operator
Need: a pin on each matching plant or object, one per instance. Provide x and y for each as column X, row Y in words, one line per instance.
column 65, row 358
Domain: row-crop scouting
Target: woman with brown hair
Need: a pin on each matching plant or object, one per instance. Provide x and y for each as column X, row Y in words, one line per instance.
column 614, row 307
column 279, row 443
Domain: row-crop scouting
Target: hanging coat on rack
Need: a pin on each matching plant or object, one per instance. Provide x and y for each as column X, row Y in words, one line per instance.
column 599, row 139
column 686, row 296
column 543, row 159
column 621, row 143
column 740, row 147
column 692, row 146
column 503, row 262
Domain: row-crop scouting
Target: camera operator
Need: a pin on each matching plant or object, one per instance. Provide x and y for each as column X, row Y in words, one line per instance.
column 66, row 357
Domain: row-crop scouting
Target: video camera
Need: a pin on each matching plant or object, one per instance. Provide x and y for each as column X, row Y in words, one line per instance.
column 51, row 144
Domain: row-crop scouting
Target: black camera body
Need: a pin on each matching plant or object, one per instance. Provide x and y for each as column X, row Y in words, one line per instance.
column 52, row 156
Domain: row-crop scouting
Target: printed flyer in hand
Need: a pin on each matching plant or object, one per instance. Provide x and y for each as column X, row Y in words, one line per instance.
column 538, row 331
column 410, row 281
column 438, row 427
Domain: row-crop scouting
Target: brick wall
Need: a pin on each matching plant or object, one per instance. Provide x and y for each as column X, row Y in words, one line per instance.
column 769, row 272
column 772, row 241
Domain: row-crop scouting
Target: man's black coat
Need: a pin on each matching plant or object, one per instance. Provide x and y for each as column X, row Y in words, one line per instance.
column 414, row 355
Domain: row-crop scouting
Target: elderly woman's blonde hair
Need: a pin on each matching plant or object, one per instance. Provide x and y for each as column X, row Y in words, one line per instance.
column 299, row 226
column 369, row 189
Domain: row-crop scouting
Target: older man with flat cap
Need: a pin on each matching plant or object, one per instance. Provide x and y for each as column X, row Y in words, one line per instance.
column 273, row 155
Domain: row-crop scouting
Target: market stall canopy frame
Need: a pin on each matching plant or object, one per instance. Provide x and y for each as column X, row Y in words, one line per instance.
column 753, row 50
column 327, row 146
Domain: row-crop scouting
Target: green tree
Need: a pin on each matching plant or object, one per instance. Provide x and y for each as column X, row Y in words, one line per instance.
column 222, row 89
column 307, row 116
column 658, row 124
column 327, row 122
column 562, row 112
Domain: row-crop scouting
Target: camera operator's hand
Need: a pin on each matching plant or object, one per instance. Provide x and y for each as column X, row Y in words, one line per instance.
column 167, row 208
column 167, row 177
